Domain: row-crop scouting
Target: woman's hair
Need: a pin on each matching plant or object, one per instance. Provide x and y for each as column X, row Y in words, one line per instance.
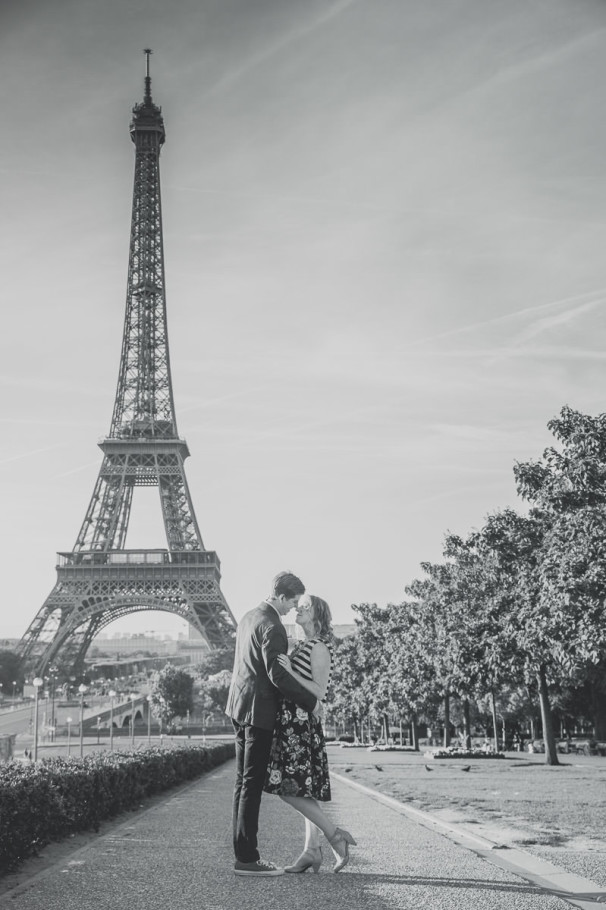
column 321, row 616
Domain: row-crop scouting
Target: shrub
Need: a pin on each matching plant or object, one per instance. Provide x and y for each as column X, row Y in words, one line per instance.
column 60, row 796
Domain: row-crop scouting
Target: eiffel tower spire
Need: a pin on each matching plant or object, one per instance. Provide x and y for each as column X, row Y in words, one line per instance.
column 99, row 580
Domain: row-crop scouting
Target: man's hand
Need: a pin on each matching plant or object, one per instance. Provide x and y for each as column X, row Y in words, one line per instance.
column 318, row 711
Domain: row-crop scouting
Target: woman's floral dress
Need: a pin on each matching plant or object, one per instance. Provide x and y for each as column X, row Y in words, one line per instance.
column 298, row 764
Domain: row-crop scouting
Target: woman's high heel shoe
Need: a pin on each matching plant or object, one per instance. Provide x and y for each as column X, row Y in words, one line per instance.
column 340, row 842
column 309, row 859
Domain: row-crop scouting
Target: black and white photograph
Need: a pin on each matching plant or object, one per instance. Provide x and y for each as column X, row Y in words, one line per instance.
column 303, row 454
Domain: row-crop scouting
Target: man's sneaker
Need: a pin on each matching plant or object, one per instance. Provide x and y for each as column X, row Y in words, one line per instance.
column 259, row 867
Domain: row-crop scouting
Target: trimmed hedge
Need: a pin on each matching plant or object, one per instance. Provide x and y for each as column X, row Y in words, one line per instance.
column 56, row 797
column 454, row 752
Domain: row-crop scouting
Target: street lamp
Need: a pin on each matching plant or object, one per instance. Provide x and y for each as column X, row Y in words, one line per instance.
column 37, row 683
column 53, row 672
column 82, row 689
column 149, row 720
column 133, row 698
column 68, row 721
column 112, row 695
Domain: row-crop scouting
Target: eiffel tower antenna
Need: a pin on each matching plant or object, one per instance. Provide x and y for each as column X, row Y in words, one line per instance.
column 148, row 52
column 100, row 581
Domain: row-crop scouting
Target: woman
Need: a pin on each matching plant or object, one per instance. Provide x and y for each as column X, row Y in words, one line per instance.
column 298, row 764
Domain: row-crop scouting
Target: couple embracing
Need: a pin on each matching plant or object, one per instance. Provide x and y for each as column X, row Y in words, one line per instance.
column 275, row 706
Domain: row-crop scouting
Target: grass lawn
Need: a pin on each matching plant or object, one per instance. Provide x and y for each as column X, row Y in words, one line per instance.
column 535, row 803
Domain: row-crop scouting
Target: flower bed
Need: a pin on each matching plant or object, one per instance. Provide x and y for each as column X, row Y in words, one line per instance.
column 454, row 752
column 390, row 749
column 56, row 797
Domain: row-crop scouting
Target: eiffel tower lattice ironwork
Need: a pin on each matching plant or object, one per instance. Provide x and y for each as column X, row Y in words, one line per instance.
column 100, row 581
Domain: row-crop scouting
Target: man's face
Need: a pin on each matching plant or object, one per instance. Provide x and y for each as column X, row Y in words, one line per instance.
column 286, row 604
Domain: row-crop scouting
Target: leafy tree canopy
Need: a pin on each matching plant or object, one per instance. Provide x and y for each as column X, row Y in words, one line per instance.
column 171, row 693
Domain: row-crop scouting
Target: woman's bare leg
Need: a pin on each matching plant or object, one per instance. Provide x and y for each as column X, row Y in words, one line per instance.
column 312, row 835
column 310, row 809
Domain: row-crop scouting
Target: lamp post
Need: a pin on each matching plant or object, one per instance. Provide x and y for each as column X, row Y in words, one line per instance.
column 133, row 698
column 53, row 672
column 14, row 687
column 37, row 683
column 82, row 689
column 112, row 695
column 149, row 720
column 68, row 721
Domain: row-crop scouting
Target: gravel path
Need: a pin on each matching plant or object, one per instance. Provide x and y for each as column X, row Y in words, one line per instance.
column 176, row 855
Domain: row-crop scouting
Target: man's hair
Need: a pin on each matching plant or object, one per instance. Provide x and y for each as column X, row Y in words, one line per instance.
column 287, row 584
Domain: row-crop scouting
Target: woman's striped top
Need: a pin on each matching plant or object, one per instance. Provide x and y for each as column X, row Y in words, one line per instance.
column 300, row 658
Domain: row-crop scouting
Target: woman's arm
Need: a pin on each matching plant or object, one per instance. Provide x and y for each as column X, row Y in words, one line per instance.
column 320, row 670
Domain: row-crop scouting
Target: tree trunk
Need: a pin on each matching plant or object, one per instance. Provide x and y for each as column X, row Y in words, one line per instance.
column 598, row 706
column 386, row 728
column 446, row 720
column 495, row 730
column 355, row 729
column 466, row 723
column 551, row 753
column 414, row 733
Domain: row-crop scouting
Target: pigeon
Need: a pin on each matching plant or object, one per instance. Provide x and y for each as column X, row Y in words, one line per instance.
column 347, row 770
column 466, row 768
column 379, row 767
column 427, row 768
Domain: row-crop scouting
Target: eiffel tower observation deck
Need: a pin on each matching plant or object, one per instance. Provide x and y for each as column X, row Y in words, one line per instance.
column 100, row 581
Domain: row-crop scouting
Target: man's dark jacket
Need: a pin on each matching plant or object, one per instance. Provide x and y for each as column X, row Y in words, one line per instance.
column 258, row 679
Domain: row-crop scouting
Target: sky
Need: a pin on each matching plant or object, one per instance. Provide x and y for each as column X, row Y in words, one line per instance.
column 384, row 227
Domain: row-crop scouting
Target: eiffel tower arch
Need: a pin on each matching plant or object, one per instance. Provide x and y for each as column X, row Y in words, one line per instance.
column 100, row 581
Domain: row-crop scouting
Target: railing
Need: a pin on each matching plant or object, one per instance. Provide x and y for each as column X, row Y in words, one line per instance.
column 138, row 557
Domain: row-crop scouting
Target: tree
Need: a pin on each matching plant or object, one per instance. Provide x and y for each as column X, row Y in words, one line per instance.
column 568, row 487
column 414, row 688
column 512, row 546
column 171, row 693
column 215, row 689
column 347, row 694
column 11, row 671
column 216, row 660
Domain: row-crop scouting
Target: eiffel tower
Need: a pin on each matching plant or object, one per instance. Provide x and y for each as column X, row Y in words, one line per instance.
column 100, row 581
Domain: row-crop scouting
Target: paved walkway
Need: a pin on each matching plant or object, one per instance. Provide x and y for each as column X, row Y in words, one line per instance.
column 176, row 855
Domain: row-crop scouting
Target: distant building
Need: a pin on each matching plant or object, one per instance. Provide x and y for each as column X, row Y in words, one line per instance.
column 9, row 644
column 128, row 643
column 341, row 630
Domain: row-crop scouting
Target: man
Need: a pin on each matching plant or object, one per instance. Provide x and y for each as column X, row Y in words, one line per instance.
column 257, row 683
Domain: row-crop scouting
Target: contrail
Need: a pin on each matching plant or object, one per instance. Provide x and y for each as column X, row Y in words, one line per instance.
column 518, row 313
column 548, row 322
column 231, row 78
column 82, row 467
column 22, row 455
